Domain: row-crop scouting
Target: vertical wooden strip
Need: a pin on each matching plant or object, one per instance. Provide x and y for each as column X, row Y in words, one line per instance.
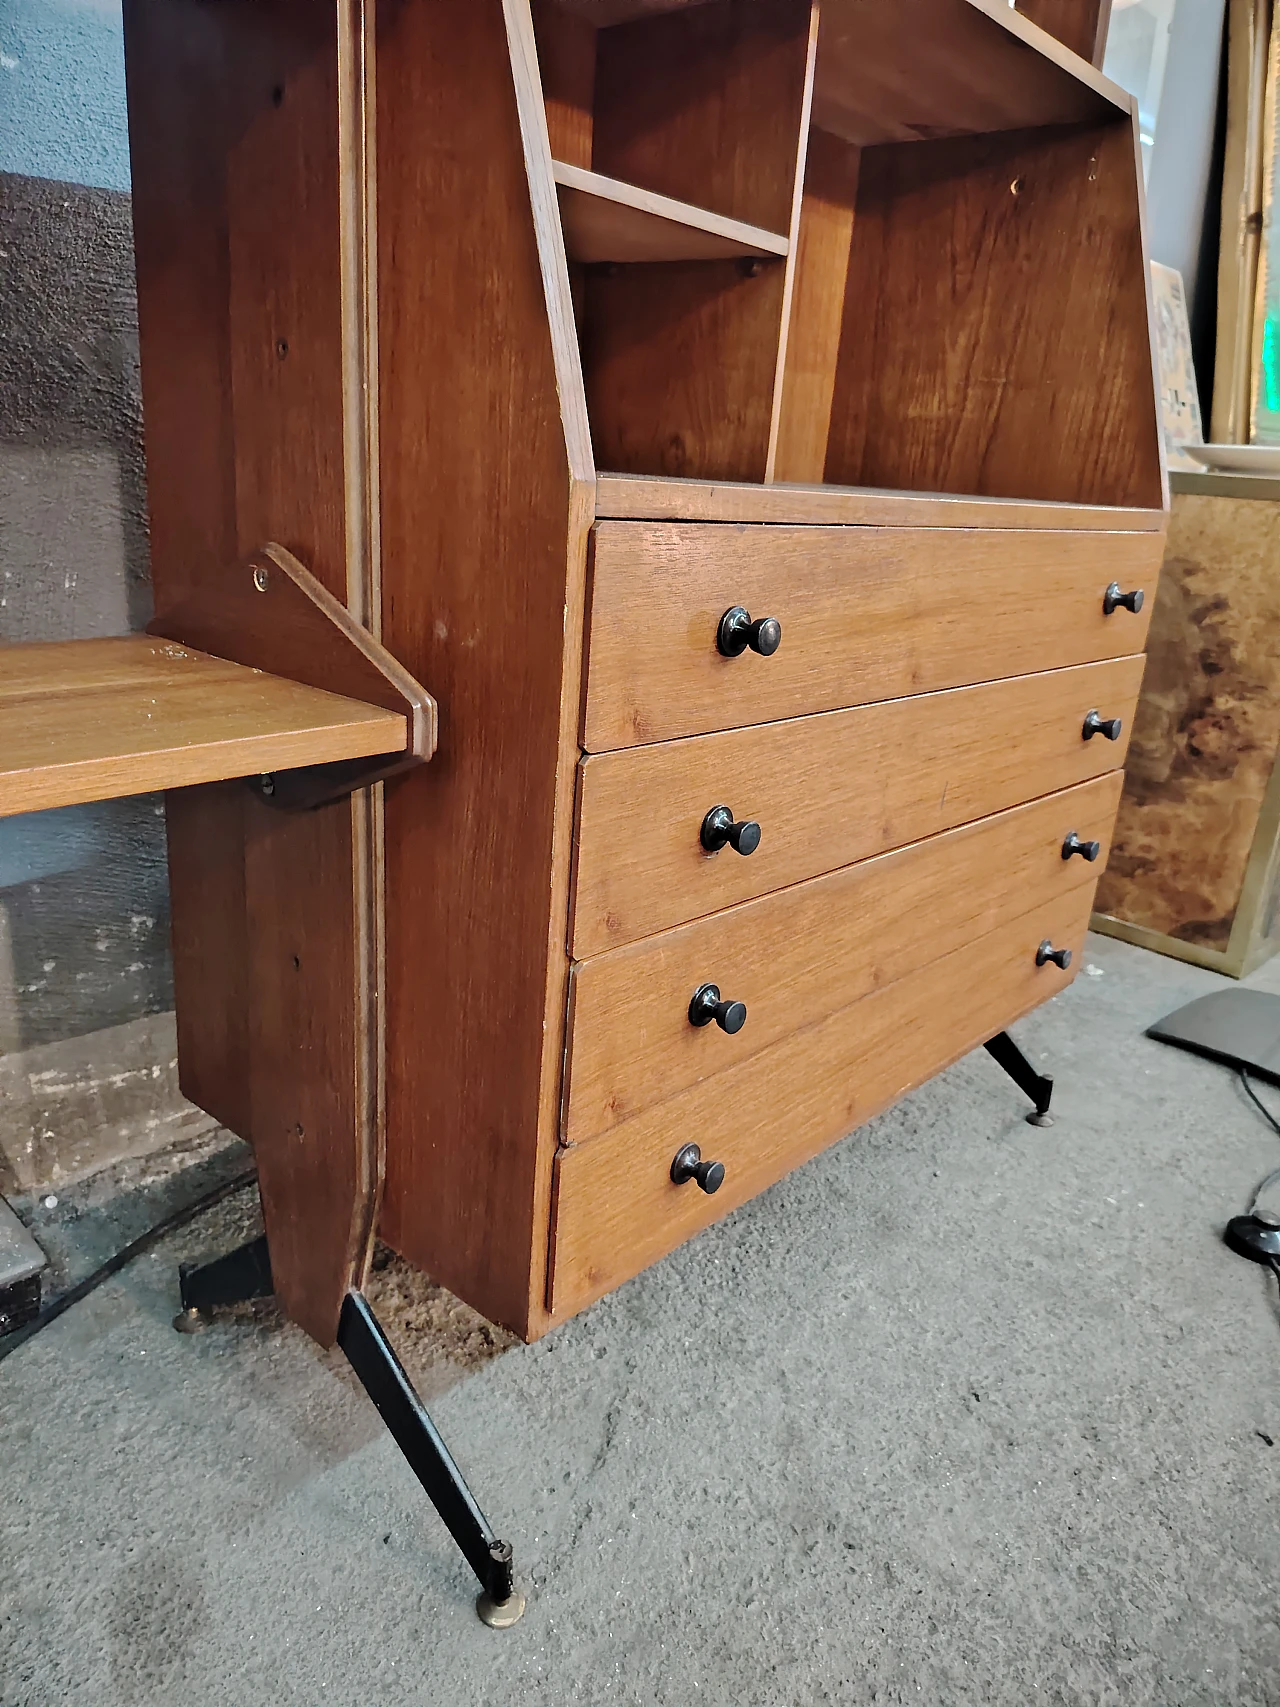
column 802, row 400
column 793, row 238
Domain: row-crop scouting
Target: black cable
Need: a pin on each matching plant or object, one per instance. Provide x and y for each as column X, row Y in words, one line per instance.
column 19, row 1336
column 1265, row 1112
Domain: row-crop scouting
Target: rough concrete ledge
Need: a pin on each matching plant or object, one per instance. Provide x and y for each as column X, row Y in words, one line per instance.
column 70, row 1108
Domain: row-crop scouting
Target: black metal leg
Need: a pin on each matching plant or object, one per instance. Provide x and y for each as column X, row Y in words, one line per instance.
column 1038, row 1086
column 231, row 1279
column 370, row 1354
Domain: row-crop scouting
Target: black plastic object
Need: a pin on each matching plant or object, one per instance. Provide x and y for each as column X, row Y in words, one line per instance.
column 1047, row 955
column 689, row 1165
column 737, row 632
column 1096, row 725
column 1256, row 1236
column 1086, row 850
column 1114, row 599
column 719, row 830
column 707, row 1006
column 1240, row 1027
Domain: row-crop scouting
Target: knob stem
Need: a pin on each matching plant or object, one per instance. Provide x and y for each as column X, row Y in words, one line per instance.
column 688, row 1165
column 1115, row 599
column 1094, row 724
column 1047, row 954
column 1086, row 850
column 707, row 1006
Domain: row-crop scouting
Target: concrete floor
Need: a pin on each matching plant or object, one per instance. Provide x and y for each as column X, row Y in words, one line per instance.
column 963, row 1412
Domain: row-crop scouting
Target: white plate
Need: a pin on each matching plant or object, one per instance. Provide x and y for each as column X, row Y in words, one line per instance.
column 1237, row 459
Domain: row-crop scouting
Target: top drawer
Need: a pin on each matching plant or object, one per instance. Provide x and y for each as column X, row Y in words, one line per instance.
column 866, row 614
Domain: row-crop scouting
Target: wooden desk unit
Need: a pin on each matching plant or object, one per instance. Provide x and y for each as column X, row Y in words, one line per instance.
column 743, row 421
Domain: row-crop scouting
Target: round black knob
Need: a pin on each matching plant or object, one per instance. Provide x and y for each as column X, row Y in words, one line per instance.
column 1086, row 850
column 737, row 632
column 707, row 1006
column 1113, row 599
column 1108, row 726
column 1047, row 952
column 689, row 1165
column 720, row 830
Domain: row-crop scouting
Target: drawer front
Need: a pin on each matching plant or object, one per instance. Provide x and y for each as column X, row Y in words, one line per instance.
column 616, row 1210
column 825, row 791
column 866, row 614
column 794, row 957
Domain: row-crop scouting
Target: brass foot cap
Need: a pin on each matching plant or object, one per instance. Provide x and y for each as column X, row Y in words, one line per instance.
column 500, row 1614
column 1034, row 1119
column 190, row 1322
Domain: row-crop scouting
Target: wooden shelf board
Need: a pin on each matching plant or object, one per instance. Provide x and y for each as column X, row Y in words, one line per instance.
column 607, row 220
column 645, row 497
column 907, row 70
column 89, row 720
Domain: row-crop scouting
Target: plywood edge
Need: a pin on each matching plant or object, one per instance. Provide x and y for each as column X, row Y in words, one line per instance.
column 640, row 497
column 650, row 213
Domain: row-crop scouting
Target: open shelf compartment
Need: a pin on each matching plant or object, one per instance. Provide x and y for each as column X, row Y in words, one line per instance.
column 955, row 301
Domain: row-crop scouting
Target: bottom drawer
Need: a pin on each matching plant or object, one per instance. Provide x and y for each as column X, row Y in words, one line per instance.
column 616, row 1210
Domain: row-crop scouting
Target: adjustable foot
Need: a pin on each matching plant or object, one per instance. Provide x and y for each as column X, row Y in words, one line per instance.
column 246, row 1273
column 1038, row 1086
column 370, row 1354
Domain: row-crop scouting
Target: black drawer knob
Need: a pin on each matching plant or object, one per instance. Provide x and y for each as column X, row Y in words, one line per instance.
column 737, row 632
column 1086, row 850
column 720, row 830
column 1047, row 952
column 689, row 1165
column 1108, row 726
column 707, row 1006
column 1114, row 599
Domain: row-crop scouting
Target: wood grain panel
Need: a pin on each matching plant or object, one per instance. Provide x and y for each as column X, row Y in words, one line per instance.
column 1080, row 25
column 705, row 105
column 483, row 545
column 190, row 719
column 566, row 52
column 679, row 362
column 616, row 1209
column 799, row 449
column 239, row 116
column 652, row 498
column 866, row 614
column 798, row 955
column 1207, row 729
column 995, row 332
column 825, row 791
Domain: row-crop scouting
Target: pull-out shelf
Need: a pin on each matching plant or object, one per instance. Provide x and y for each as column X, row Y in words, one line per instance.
column 88, row 720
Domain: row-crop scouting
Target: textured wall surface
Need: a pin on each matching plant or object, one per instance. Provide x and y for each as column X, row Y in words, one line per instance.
column 62, row 111
column 83, row 903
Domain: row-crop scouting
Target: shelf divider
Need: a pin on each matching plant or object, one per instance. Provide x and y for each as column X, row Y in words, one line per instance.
column 607, row 220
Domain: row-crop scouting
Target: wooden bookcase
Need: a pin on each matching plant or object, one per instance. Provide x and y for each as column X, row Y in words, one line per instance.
column 541, row 340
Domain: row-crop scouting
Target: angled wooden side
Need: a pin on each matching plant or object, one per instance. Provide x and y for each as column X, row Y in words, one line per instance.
column 486, row 498
column 247, row 157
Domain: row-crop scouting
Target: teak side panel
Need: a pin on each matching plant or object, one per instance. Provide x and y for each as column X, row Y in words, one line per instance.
column 995, row 329
column 866, row 614
column 566, row 54
column 825, row 791
column 479, row 568
column 236, row 119
column 616, row 1210
column 798, row 955
column 704, row 105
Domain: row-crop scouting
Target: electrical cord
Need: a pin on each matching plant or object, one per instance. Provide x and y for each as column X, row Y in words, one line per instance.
column 10, row 1342
column 1274, row 1123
